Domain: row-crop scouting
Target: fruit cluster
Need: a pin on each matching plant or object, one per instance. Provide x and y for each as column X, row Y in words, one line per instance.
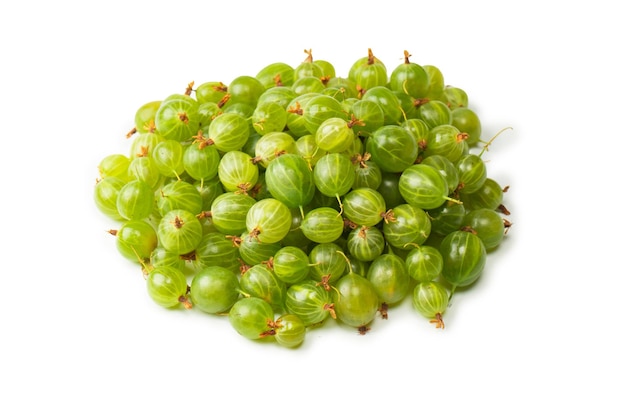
column 296, row 195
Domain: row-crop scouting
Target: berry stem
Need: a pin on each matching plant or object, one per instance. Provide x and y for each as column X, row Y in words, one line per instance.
column 347, row 260
column 340, row 204
column 450, row 199
column 488, row 143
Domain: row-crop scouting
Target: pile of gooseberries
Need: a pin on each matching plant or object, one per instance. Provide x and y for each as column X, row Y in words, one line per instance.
column 297, row 197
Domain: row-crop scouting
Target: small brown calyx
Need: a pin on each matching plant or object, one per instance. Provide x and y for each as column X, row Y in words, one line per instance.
column 383, row 310
column 143, row 151
column 463, row 136
column 235, row 239
column 150, row 126
column 363, row 329
column 324, row 282
column 419, row 102
column 406, row 57
column 255, row 190
column 243, row 267
column 189, row 256
column 295, row 109
column 205, row 214
column 363, row 231
column 223, row 101
column 269, row 263
column 371, row 59
column 330, row 307
column 389, row 216
column 189, row 89
column 503, row 209
column 243, row 188
column 267, row 333
column 325, row 79
column 361, row 159
column 131, row 132
column 272, row 326
column 469, row 229
column 177, row 222
column 438, row 321
column 185, row 302
column 254, row 234
column 113, row 232
column 360, row 91
column 220, row 87
column 355, row 122
column 507, row 225
column 309, row 55
column 348, row 224
column 278, row 81
column 183, row 117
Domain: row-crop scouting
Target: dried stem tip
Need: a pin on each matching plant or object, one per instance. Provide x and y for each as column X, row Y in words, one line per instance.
column 438, row 321
column 406, row 57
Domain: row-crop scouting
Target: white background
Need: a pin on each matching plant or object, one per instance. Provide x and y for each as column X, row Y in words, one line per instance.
column 540, row 334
